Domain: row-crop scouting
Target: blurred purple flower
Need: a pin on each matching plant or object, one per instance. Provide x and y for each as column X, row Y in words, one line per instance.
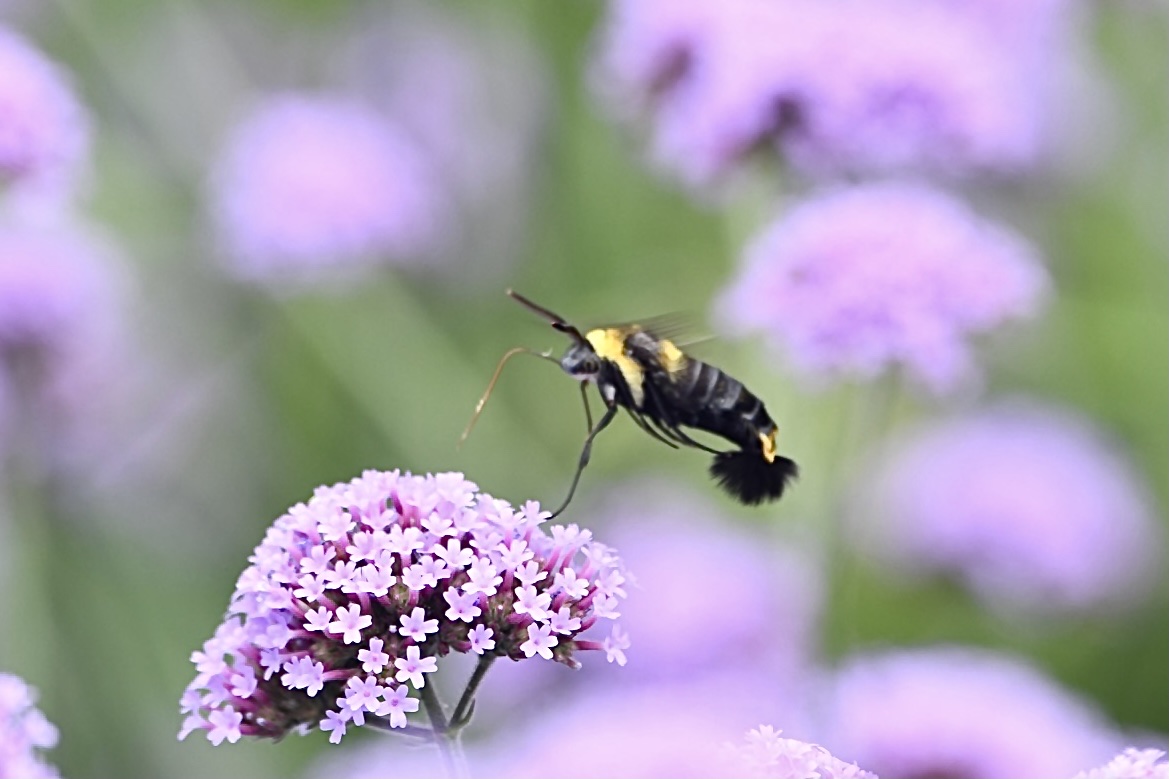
column 1131, row 764
column 676, row 729
column 766, row 754
column 312, row 187
column 58, row 285
column 474, row 94
column 44, row 131
column 761, row 600
column 338, row 594
column 951, row 711
column 23, row 731
column 1028, row 505
column 837, row 87
column 863, row 278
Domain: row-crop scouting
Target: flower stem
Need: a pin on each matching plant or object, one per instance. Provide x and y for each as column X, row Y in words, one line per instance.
column 450, row 749
column 466, row 704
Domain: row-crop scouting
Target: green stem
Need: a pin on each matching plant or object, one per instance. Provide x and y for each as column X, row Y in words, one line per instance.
column 450, row 748
column 466, row 704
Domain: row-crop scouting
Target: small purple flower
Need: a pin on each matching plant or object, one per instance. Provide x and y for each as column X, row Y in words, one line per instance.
column 864, row 278
column 24, row 731
column 283, row 659
column 415, row 625
column 1131, row 764
column 540, row 641
column 889, row 84
column 312, row 186
column 397, row 705
column 481, row 639
column 1027, row 505
column 767, row 754
column 950, row 711
column 412, row 667
column 44, row 131
column 373, row 660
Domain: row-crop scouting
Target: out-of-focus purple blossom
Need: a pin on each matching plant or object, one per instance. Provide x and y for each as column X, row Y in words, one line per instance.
column 1131, row 764
column 44, row 130
column 318, row 186
column 473, row 93
column 951, row 711
column 759, row 600
column 1028, row 505
column 288, row 653
column 861, row 279
column 836, row 87
column 66, row 354
column 58, row 286
column 674, row 729
column 23, row 732
column 767, row 754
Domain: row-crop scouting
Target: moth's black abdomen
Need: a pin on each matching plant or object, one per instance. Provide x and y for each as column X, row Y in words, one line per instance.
column 749, row 478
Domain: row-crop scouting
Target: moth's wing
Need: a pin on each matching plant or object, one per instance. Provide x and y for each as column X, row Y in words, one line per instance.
column 680, row 328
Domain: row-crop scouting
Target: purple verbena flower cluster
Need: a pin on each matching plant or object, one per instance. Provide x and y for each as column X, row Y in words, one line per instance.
column 835, row 87
column 59, row 287
column 767, row 754
column 23, row 731
column 864, row 278
column 959, row 711
column 1131, row 764
column 44, row 131
column 355, row 594
column 1028, row 505
column 310, row 185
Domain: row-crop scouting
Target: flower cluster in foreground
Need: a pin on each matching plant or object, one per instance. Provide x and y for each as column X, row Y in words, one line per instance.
column 767, row 754
column 23, row 730
column 352, row 597
column 1131, row 764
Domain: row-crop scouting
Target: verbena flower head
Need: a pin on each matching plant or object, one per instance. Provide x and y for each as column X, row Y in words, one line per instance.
column 835, row 87
column 23, row 732
column 862, row 279
column 1131, row 764
column 1027, row 505
column 355, row 594
column 44, row 131
column 949, row 711
column 767, row 754
column 59, row 287
column 314, row 186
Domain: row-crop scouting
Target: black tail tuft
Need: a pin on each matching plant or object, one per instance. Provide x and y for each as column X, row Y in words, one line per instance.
column 749, row 478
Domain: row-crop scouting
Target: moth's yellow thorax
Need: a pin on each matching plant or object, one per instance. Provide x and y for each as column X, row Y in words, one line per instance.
column 609, row 344
column 673, row 358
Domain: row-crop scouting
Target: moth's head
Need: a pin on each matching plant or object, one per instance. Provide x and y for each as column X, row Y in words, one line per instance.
column 581, row 362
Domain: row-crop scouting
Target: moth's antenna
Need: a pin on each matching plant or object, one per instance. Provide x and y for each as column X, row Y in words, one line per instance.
column 546, row 355
column 554, row 319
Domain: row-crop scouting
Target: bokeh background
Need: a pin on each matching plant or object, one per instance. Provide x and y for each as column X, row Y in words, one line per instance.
column 251, row 248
